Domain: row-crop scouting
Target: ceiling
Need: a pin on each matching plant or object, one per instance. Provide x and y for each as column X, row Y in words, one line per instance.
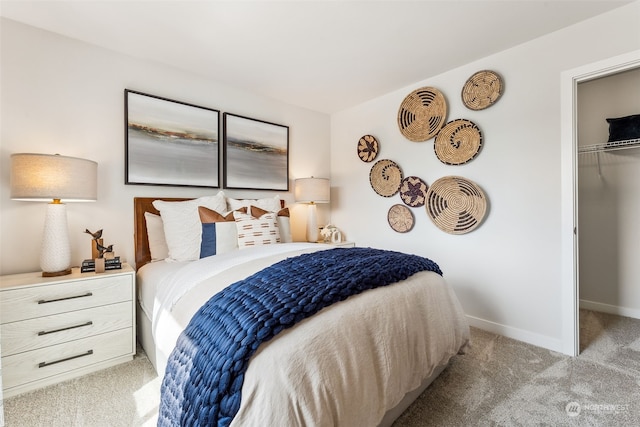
column 321, row 55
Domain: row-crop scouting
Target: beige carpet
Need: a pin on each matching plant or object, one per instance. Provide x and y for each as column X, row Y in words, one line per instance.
column 499, row 382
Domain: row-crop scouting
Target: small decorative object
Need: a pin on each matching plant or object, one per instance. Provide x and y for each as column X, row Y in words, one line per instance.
column 482, row 90
column 98, row 250
column 422, row 114
column 170, row 143
column 327, row 232
column 385, row 177
column 458, row 142
column 413, row 191
column 400, row 218
column 336, row 236
column 367, row 148
column 102, row 256
column 256, row 154
column 455, row 204
column 96, row 239
column 105, row 251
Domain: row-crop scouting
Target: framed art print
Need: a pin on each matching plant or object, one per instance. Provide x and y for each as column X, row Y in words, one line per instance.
column 256, row 154
column 170, row 143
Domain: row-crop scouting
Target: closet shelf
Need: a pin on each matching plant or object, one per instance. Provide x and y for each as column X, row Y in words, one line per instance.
column 610, row 146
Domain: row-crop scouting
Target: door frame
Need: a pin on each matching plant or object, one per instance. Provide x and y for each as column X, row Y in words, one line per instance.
column 569, row 187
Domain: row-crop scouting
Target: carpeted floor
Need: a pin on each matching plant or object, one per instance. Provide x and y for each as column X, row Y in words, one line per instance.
column 503, row 382
column 499, row 382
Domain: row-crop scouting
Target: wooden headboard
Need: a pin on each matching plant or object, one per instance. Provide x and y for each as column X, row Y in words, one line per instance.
column 140, row 237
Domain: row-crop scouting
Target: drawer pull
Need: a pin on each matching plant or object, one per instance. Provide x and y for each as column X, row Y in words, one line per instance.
column 89, row 323
column 45, row 364
column 46, row 301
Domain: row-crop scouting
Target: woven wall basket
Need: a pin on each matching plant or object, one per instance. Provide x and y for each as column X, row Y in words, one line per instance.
column 400, row 218
column 422, row 114
column 413, row 191
column 385, row 177
column 456, row 205
column 482, row 90
column 458, row 142
column 368, row 148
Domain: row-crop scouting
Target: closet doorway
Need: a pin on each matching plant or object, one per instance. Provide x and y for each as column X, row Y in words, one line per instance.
column 608, row 197
column 570, row 203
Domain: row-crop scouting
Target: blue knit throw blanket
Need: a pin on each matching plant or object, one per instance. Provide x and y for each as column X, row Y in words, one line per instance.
column 203, row 380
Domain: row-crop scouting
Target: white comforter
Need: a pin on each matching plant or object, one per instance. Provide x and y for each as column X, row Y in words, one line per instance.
column 345, row 366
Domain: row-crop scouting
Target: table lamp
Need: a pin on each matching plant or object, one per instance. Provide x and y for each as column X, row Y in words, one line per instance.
column 57, row 179
column 312, row 190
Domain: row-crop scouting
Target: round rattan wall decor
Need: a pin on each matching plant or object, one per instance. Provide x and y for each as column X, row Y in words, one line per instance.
column 368, row 148
column 456, row 205
column 400, row 218
column 422, row 114
column 458, row 142
column 385, row 177
column 413, row 191
column 482, row 90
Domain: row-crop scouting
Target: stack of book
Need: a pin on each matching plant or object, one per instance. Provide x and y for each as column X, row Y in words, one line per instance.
column 109, row 264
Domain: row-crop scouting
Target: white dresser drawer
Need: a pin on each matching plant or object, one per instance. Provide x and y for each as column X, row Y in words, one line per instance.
column 39, row 364
column 18, row 337
column 48, row 299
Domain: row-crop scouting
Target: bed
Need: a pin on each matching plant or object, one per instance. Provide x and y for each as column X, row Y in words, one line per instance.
column 357, row 362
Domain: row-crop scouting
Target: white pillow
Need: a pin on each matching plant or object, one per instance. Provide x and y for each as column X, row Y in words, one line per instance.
column 182, row 227
column 271, row 204
column 284, row 224
column 155, row 236
column 256, row 231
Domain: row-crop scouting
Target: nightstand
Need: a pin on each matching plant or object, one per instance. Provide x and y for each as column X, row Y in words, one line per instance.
column 57, row 328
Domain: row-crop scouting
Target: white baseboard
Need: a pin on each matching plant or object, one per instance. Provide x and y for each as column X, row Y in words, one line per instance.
column 543, row 341
column 611, row 309
column 532, row 338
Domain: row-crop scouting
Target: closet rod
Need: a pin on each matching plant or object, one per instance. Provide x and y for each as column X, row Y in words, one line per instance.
column 610, row 146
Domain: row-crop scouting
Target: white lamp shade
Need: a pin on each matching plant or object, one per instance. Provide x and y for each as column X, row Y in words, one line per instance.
column 45, row 177
column 312, row 190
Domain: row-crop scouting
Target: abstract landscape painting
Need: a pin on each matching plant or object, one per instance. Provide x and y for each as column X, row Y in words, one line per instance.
column 170, row 142
column 256, row 154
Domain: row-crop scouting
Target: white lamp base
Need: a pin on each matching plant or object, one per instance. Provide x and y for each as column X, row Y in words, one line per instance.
column 312, row 224
column 55, row 258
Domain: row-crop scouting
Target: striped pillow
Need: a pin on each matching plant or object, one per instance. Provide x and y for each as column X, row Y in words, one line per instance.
column 256, row 231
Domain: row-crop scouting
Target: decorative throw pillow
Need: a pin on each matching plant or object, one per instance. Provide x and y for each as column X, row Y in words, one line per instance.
column 256, row 231
column 155, row 236
column 283, row 218
column 182, row 227
column 219, row 234
column 270, row 204
column 624, row 128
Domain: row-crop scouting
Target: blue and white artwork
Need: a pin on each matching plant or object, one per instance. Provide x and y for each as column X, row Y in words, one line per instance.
column 255, row 154
column 170, row 142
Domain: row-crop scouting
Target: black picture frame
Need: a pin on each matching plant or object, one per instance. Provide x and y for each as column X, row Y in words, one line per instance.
column 170, row 142
column 256, row 154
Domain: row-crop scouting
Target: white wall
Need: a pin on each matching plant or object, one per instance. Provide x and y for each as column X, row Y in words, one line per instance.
column 609, row 199
column 63, row 96
column 507, row 272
